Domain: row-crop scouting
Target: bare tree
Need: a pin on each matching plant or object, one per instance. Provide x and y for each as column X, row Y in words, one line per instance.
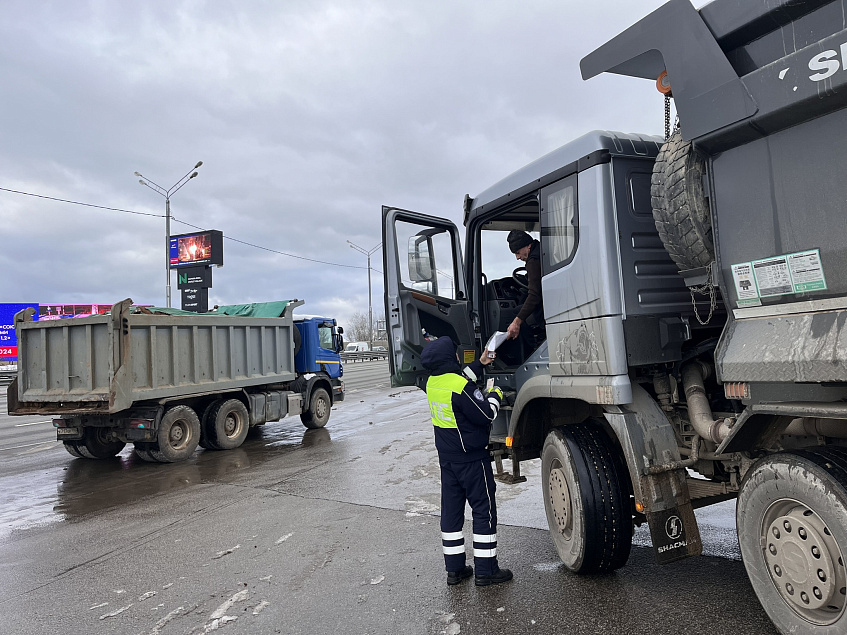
column 356, row 329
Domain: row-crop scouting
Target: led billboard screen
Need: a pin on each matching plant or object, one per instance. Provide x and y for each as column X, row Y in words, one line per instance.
column 199, row 248
column 8, row 337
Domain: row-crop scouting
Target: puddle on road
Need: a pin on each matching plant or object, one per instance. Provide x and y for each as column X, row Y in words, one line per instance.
column 86, row 486
column 83, row 486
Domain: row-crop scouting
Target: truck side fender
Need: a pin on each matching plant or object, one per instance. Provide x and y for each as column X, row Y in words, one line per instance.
column 648, row 440
column 645, row 434
column 537, row 387
column 316, row 380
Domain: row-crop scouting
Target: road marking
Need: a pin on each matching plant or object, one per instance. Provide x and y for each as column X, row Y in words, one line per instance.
column 26, row 445
column 34, row 423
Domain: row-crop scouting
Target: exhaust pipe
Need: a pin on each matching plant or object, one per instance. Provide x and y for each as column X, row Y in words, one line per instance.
column 699, row 411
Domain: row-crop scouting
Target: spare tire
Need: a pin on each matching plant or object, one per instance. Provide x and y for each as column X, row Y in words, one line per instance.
column 680, row 208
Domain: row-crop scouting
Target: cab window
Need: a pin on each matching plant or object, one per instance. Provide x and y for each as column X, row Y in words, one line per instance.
column 428, row 265
column 559, row 223
column 325, row 337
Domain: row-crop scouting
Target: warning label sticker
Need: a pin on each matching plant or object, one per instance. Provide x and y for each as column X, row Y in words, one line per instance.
column 799, row 272
column 772, row 276
column 806, row 271
column 745, row 285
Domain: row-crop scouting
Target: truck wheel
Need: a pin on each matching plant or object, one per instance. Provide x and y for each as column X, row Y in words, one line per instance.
column 204, row 426
column 318, row 413
column 792, row 529
column 179, row 434
column 587, row 498
column 226, row 425
column 72, row 449
column 97, row 444
column 142, row 451
column 680, row 208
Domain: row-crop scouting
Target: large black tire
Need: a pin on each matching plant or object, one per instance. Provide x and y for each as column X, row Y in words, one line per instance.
column 319, row 407
column 204, row 425
column 96, row 444
column 73, row 449
column 226, row 425
column 680, row 208
column 142, row 451
column 792, row 528
column 587, row 497
column 179, row 435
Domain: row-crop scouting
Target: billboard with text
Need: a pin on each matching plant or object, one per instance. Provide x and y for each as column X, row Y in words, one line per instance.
column 8, row 338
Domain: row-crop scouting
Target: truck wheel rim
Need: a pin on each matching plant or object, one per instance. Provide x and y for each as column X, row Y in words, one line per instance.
column 320, row 408
column 231, row 425
column 178, row 435
column 804, row 561
column 560, row 501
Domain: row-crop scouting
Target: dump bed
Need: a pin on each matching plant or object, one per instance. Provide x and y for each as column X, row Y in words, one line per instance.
column 107, row 363
column 761, row 93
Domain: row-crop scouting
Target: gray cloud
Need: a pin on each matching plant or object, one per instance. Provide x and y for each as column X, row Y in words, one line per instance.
column 308, row 117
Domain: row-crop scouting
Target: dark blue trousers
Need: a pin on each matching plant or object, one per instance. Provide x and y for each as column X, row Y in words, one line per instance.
column 472, row 482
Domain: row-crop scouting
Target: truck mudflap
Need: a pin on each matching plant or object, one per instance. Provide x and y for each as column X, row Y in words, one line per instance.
column 651, row 453
column 670, row 515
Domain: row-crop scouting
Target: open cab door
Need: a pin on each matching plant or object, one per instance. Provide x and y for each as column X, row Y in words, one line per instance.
column 425, row 294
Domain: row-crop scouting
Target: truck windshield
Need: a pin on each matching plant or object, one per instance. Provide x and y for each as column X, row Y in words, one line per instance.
column 325, row 337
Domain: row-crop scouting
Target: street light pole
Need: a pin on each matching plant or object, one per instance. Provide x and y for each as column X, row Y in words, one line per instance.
column 167, row 194
column 362, row 250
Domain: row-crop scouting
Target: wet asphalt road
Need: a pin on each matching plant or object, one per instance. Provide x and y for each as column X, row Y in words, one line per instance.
column 327, row 531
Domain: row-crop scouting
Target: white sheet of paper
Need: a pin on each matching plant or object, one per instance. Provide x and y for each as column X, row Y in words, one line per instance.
column 495, row 340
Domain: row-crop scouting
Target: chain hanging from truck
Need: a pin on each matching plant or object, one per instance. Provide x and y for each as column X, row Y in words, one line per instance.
column 707, row 288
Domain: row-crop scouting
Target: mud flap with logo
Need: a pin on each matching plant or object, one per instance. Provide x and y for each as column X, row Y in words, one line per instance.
column 673, row 527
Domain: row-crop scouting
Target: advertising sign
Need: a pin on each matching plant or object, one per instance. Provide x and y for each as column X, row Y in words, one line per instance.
column 193, row 277
column 199, row 248
column 60, row 311
column 8, row 338
column 196, row 300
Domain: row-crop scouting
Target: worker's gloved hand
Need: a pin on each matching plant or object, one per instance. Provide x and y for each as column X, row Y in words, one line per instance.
column 494, row 390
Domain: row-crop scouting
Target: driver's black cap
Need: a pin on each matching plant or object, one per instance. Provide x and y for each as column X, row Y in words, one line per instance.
column 518, row 239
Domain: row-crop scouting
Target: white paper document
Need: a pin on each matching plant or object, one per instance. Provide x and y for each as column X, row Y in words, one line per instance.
column 498, row 338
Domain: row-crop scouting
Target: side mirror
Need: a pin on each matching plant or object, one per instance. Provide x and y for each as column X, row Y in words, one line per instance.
column 420, row 259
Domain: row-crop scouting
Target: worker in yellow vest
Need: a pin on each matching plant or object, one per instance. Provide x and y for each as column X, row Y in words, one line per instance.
column 462, row 417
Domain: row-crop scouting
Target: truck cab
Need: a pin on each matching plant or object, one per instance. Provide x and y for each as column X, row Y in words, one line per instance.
column 317, row 353
column 612, row 296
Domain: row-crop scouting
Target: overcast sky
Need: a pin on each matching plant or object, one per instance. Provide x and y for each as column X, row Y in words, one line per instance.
column 307, row 115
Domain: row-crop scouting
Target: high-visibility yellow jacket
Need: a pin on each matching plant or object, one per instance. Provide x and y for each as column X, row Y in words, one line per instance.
column 461, row 414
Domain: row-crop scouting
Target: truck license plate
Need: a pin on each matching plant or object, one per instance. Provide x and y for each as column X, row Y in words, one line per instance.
column 67, row 432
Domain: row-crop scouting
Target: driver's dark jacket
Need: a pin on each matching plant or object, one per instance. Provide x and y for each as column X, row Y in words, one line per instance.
column 533, row 303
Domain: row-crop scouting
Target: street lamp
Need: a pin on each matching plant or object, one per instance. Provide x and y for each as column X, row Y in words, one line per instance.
column 167, row 194
column 362, row 250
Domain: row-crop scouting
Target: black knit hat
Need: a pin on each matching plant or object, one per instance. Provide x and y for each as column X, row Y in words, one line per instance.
column 518, row 239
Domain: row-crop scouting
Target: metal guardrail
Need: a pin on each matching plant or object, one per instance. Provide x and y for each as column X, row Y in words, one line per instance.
column 363, row 356
column 6, row 377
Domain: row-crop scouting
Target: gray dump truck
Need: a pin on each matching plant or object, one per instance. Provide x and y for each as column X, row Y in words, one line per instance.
column 168, row 381
column 693, row 347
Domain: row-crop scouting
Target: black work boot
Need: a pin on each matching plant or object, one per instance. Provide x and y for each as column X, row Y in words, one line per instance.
column 498, row 577
column 454, row 577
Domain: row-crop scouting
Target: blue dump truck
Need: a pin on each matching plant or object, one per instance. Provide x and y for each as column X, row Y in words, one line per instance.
column 167, row 380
